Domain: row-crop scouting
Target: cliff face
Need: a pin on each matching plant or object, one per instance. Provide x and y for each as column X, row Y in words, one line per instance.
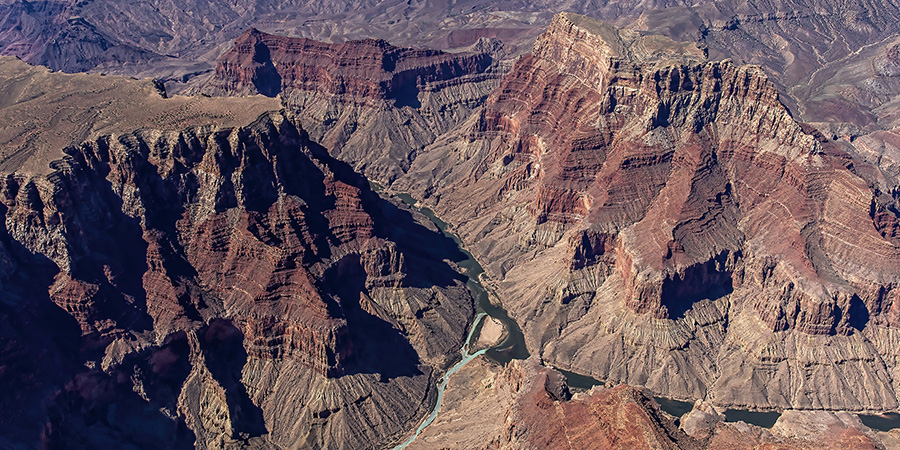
column 367, row 101
column 694, row 235
column 620, row 417
column 357, row 71
column 51, row 33
column 214, row 287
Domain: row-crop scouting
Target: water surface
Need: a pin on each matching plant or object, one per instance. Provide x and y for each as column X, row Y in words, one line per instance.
column 881, row 422
column 678, row 408
column 512, row 346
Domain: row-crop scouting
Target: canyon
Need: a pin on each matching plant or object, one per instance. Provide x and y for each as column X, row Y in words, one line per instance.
column 225, row 283
column 692, row 201
column 526, row 405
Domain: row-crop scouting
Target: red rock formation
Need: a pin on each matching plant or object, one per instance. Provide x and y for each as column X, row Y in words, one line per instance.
column 799, row 430
column 526, row 405
column 367, row 101
column 621, row 417
column 356, row 71
column 696, row 183
column 274, row 268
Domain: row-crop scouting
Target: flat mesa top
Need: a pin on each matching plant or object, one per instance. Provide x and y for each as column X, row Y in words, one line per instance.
column 639, row 47
column 603, row 30
column 43, row 112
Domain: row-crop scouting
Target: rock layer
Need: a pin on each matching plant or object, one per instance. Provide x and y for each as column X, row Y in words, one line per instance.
column 655, row 218
column 529, row 406
column 526, row 405
column 793, row 429
column 368, row 102
column 214, row 287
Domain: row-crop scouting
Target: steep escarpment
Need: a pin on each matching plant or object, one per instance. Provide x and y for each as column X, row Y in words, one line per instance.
column 793, row 429
column 217, row 286
column 367, row 101
column 358, row 71
column 44, row 112
column 655, row 218
column 51, row 33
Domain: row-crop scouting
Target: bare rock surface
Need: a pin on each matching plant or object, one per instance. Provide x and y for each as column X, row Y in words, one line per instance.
column 830, row 60
column 181, row 40
column 492, row 333
column 654, row 218
column 212, row 285
column 650, row 212
column 796, row 430
column 369, row 102
column 525, row 405
column 44, row 112
column 701, row 421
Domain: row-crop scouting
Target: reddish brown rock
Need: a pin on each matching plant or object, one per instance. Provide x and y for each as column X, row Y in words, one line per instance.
column 529, row 406
column 727, row 241
column 620, row 417
column 355, row 71
column 368, row 102
column 525, row 405
column 793, row 430
column 217, row 286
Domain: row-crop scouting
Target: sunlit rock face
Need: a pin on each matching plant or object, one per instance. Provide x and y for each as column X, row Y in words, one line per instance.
column 370, row 103
column 660, row 219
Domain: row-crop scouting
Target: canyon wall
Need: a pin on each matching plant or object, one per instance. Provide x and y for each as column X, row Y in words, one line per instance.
column 368, row 102
column 214, row 287
column 527, row 405
column 654, row 218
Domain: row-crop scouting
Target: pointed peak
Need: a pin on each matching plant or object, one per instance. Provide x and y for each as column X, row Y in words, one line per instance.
column 251, row 34
column 606, row 32
column 638, row 47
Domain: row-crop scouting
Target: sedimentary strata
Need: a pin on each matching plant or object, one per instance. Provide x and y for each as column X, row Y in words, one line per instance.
column 658, row 219
column 216, row 286
column 370, row 103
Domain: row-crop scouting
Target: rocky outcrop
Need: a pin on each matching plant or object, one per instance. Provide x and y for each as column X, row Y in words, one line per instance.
column 620, row 417
column 179, row 41
column 217, row 287
column 356, row 71
column 46, row 111
column 48, row 33
column 526, row 405
column 368, row 102
column 658, row 219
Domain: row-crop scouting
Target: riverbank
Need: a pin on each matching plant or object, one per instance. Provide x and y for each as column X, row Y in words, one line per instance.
column 499, row 338
column 503, row 340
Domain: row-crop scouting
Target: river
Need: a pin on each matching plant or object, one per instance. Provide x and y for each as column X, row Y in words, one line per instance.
column 765, row 419
column 513, row 346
